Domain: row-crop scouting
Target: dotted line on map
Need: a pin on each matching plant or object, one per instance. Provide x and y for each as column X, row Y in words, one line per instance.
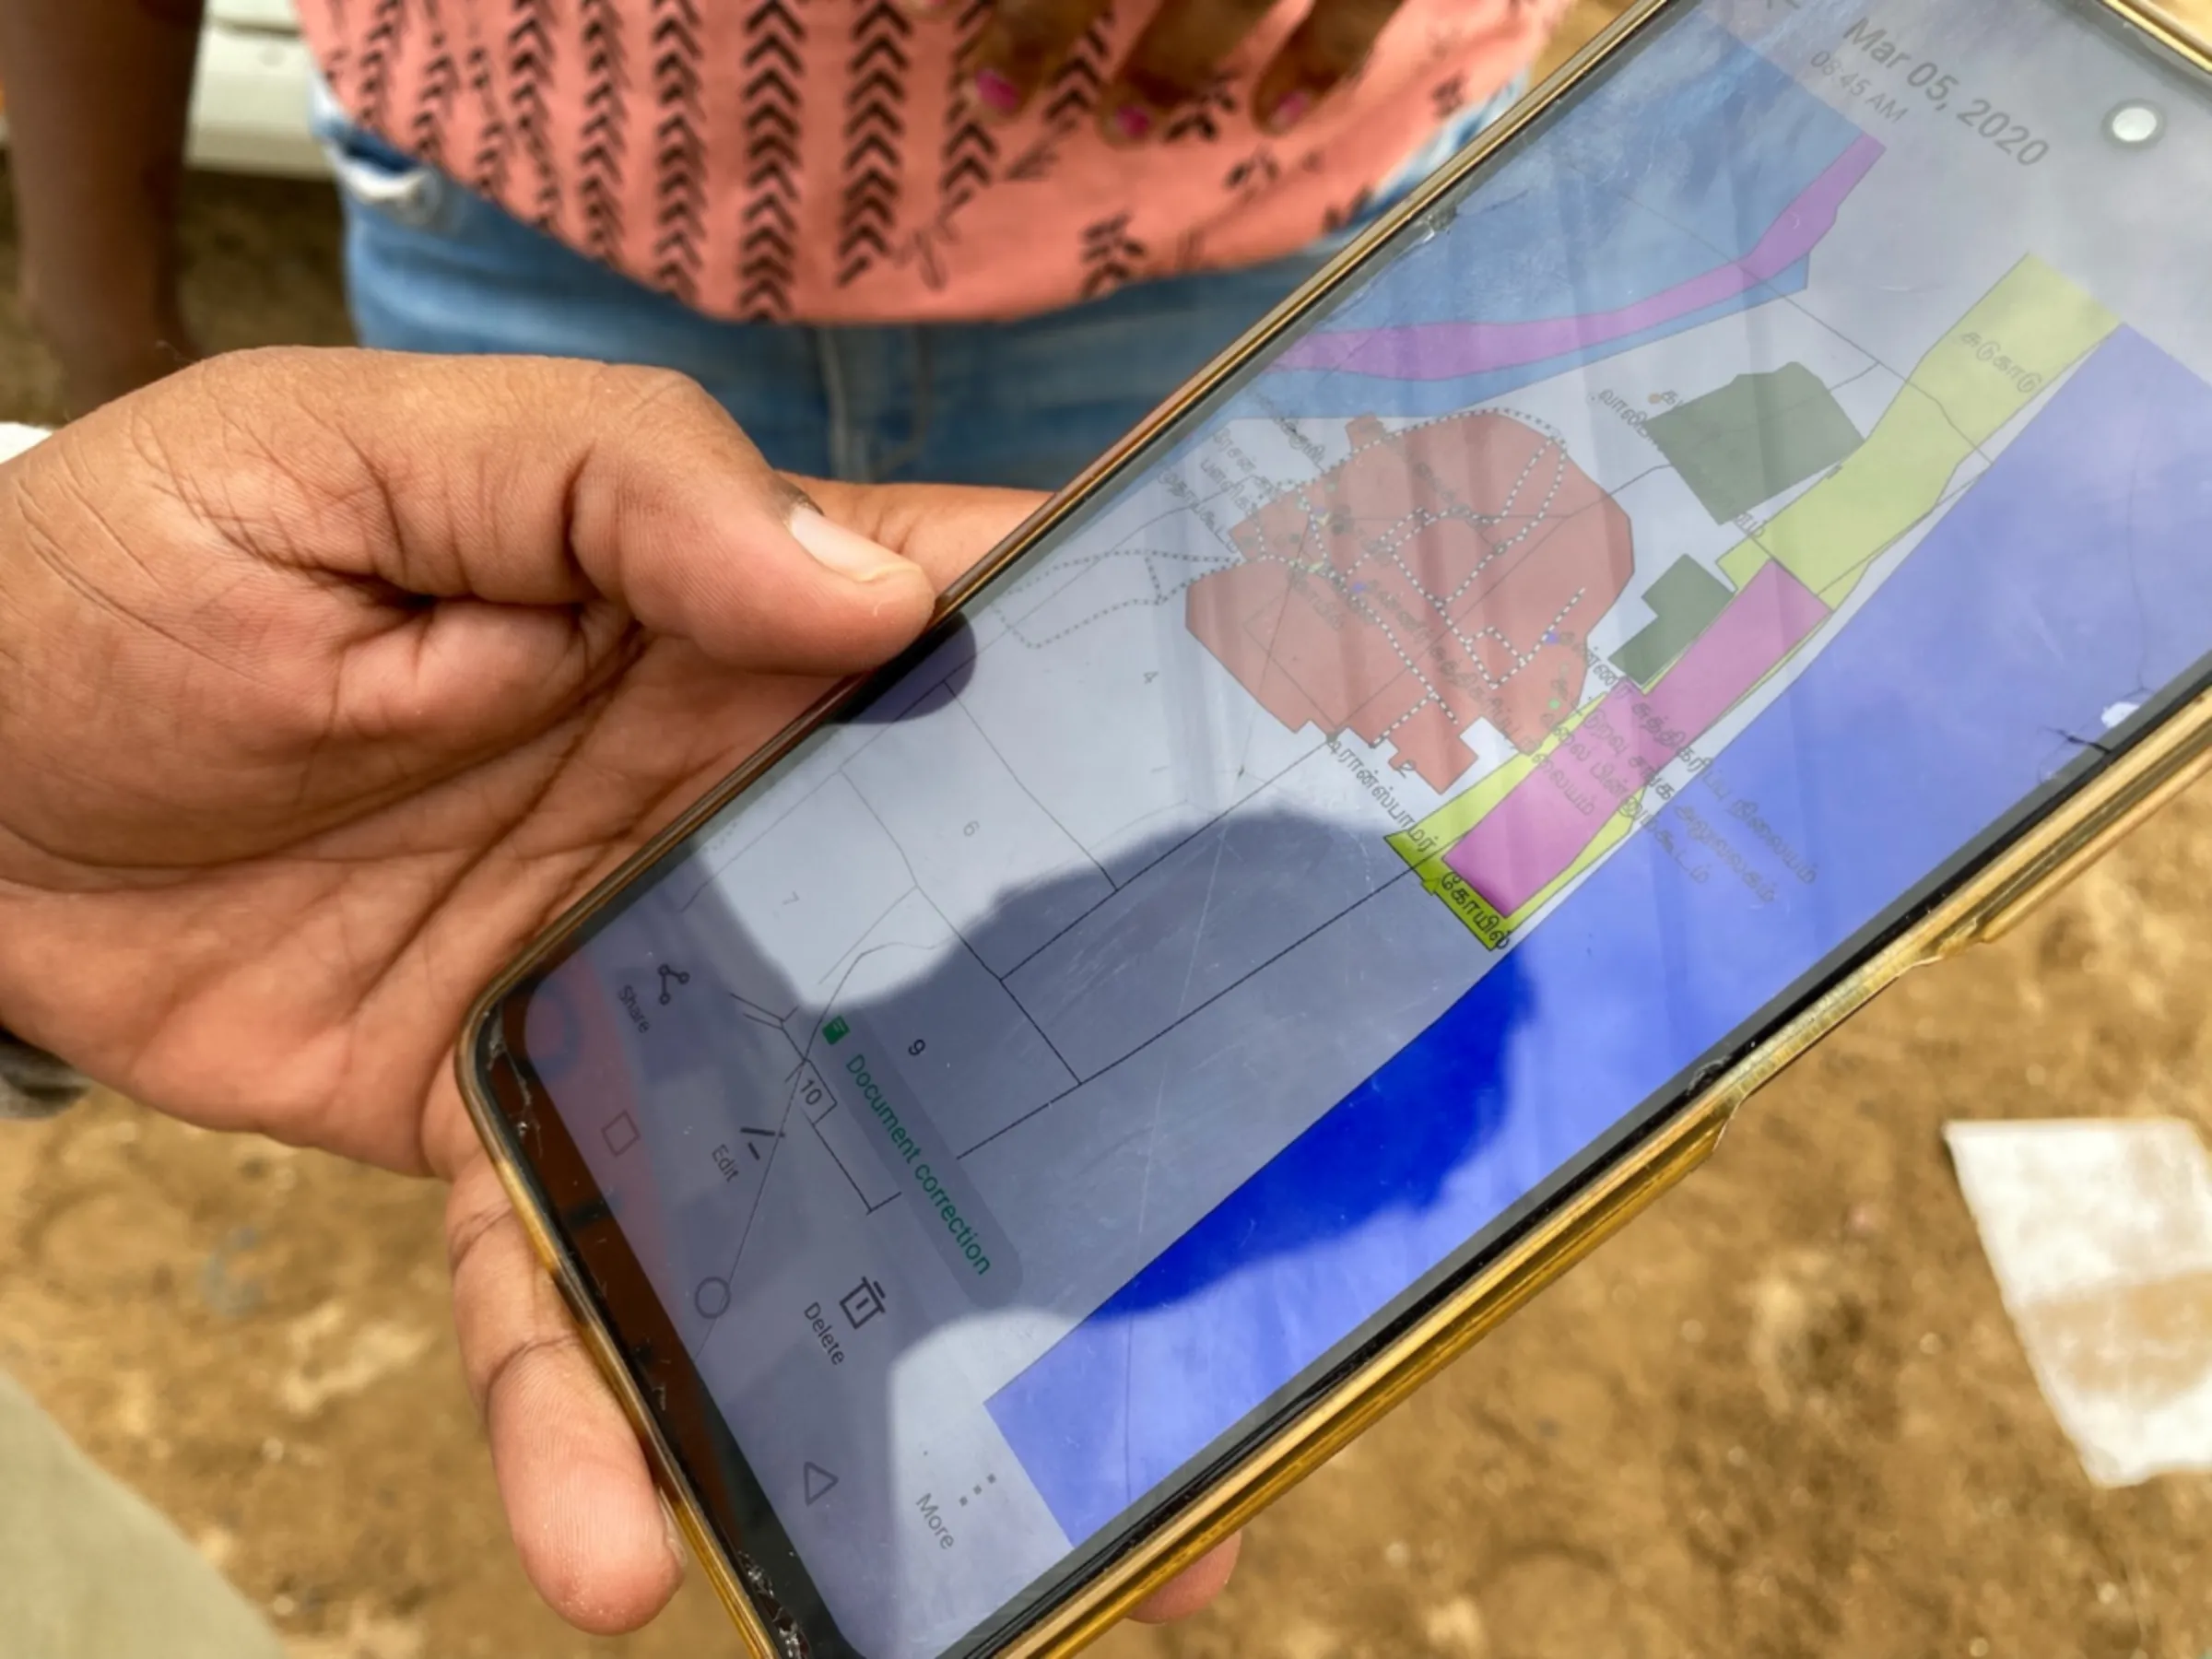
column 1390, row 544
column 1573, row 600
column 1555, row 445
column 1219, row 561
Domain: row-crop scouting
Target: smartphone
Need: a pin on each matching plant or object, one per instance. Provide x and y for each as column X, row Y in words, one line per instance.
column 1741, row 531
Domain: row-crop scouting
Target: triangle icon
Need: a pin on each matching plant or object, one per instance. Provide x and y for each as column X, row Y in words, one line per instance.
column 818, row 1483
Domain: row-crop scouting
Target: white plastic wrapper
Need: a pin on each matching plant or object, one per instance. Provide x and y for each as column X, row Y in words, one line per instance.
column 2100, row 1236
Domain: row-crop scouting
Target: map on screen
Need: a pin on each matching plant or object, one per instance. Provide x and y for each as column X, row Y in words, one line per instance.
column 1723, row 515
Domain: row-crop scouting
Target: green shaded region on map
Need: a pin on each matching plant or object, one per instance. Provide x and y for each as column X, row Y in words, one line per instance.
column 1684, row 601
column 2021, row 336
column 2017, row 340
column 1754, row 438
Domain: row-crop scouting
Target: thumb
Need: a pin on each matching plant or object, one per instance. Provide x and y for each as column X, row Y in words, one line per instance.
column 539, row 482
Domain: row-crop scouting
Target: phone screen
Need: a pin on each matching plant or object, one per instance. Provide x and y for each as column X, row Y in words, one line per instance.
column 1673, row 558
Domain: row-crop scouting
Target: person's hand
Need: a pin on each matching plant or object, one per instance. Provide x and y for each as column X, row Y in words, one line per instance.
column 326, row 679
column 1175, row 60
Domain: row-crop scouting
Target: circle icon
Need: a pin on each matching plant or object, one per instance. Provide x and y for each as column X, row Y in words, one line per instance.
column 712, row 1297
column 2135, row 125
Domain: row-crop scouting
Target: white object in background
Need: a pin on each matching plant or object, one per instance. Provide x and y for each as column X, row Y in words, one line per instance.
column 249, row 100
column 2100, row 1236
column 273, row 16
column 15, row 439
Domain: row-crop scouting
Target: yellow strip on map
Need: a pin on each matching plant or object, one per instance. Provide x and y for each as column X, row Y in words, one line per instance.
column 2025, row 332
column 1424, row 846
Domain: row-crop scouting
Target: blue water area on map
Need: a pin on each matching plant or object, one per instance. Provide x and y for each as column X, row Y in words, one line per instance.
column 2072, row 575
column 1675, row 166
column 1307, row 394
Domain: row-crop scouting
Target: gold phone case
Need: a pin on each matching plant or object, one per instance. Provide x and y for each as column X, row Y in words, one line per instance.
column 1989, row 904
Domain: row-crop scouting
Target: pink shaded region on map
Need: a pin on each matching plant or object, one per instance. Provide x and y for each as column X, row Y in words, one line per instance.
column 1440, row 574
column 1529, row 838
column 1429, row 351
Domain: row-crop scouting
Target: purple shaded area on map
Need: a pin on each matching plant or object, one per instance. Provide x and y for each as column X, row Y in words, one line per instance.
column 1529, row 838
column 1424, row 351
column 1757, row 628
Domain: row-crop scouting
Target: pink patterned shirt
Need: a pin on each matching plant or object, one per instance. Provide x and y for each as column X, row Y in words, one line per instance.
column 813, row 160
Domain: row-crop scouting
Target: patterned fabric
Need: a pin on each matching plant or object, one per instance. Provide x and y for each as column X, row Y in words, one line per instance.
column 813, row 160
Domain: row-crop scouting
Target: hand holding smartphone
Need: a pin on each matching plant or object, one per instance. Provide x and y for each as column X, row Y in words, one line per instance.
column 1742, row 531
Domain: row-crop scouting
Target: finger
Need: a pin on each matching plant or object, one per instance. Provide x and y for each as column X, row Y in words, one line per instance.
column 534, row 482
column 587, row 1522
column 943, row 529
column 1020, row 47
column 1195, row 1587
column 1173, row 61
column 1326, row 49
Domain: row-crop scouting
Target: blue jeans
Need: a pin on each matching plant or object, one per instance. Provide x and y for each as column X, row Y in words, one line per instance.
column 431, row 267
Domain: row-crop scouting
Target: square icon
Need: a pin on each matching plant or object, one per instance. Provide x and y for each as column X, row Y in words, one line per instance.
column 622, row 1135
column 862, row 1304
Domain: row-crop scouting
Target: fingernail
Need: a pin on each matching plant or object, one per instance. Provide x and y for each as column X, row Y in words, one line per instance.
column 840, row 549
column 1133, row 120
column 1290, row 110
column 998, row 92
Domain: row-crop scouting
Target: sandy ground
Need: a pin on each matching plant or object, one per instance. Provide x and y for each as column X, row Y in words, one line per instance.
column 1783, row 1415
